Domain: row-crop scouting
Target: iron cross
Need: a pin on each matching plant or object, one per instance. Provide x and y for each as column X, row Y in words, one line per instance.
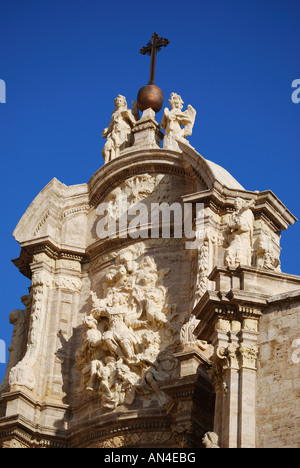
column 151, row 49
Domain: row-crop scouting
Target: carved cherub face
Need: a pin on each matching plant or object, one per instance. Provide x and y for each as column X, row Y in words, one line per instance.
column 175, row 101
column 111, row 275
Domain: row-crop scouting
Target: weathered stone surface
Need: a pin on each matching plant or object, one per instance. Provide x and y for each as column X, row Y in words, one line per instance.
column 133, row 334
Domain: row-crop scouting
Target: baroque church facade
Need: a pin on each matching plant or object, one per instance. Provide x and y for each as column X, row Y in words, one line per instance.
column 139, row 332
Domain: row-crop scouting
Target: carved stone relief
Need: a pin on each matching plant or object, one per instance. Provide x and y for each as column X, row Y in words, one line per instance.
column 131, row 205
column 266, row 257
column 230, row 357
column 126, row 347
column 240, row 235
column 187, row 334
column 136, row 189
column 19, row 319
column 203, row 269
column 24, row 372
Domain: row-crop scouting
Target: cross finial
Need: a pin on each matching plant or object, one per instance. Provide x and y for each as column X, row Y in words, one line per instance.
column 151, row 49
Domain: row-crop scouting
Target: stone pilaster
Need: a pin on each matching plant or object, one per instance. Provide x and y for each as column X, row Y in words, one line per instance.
column 230, row 322
column 191, row 398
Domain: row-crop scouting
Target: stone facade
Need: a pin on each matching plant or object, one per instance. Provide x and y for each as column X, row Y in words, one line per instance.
column 134, row 332
column 278, row 379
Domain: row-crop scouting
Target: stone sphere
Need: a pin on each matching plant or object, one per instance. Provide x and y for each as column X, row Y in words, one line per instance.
column 150, row 96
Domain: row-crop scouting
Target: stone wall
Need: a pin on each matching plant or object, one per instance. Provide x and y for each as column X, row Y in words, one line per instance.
column 278, row 376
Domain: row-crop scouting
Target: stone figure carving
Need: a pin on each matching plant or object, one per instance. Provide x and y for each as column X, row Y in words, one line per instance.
column 125, row 346
column 23, row 374
column 141, row 188
column 118, row 133
column 19, row 319
column 173, row 120
column 266, row 256
column 240, row 235
column 210, row 440
column 187, row 334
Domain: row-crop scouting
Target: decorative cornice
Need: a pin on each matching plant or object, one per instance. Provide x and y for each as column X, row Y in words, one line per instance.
column 134, row 163
column 50, row 249
column 267, row 205
column 233, row 306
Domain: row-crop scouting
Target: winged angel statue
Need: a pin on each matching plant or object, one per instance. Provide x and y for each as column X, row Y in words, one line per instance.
column 173, row 120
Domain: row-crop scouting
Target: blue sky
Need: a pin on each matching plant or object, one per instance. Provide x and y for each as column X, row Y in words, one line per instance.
column 64, row 62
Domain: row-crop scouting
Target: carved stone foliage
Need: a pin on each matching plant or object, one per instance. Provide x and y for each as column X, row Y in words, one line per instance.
column 231, row 357
column 203, row 269
column 240, row 235
column 173, row 120
column 126, row 350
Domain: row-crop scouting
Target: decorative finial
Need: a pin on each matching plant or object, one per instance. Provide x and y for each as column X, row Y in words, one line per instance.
column 151, row 96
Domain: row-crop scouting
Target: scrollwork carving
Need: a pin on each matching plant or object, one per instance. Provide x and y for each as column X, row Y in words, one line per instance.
column 23, row 373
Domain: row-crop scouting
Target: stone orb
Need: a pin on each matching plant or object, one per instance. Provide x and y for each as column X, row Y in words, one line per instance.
column 150, row 96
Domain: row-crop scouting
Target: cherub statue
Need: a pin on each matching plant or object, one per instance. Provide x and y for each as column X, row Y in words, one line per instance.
column 173, row 120
column 118, row 133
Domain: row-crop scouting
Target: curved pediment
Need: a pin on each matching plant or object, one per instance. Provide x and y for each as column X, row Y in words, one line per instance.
column 48, row 215
column 50, row 211
column 187, row 163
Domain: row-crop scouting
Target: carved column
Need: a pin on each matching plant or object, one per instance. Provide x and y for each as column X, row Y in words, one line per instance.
column 230, row 323
column 233, row 375
column 225, row 377
column 24, row 373
column 248, row 358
